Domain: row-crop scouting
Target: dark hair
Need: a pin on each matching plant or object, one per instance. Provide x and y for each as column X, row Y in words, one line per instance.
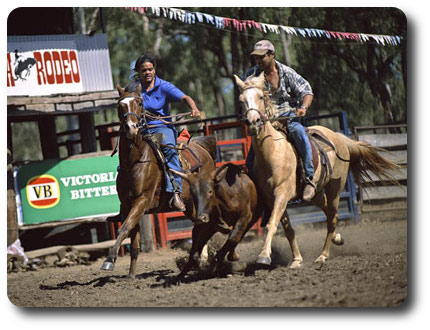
column 142, row 59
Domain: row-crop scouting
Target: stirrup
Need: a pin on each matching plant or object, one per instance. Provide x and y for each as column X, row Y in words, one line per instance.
column 311, row 194
column 309, row 181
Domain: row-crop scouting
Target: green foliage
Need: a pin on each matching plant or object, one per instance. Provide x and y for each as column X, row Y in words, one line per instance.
column 364, row 79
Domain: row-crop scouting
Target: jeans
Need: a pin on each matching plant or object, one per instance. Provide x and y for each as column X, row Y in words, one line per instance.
column 169, row 136
column 302, row 144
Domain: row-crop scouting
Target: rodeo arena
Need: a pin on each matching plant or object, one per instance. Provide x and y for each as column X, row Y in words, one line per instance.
column 95, row 228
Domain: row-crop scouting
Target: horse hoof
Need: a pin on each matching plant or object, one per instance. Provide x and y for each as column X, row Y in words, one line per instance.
column 107, row 265
column 321, row 260
column 296, row 264
column 238, row 267
column 338, row 240
column 264, row 261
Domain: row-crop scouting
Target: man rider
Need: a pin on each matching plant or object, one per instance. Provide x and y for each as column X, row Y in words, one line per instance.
column 293, row 96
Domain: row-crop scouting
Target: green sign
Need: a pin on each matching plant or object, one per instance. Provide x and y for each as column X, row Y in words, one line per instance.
column 56, row 190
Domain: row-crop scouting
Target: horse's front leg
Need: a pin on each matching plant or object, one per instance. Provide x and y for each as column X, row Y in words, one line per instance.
column 280, row 204
column 138, row 208
column 291, row 236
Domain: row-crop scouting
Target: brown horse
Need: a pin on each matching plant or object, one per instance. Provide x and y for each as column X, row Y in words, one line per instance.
column 141, row 180
column 275, row 164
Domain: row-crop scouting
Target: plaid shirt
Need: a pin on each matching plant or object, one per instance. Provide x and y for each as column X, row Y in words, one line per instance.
column 292, row 88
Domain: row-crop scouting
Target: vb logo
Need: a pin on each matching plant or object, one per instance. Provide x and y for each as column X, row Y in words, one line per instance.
column 43, row 191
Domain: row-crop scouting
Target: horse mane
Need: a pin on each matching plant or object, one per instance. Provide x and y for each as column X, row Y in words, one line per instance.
column 254, row 81
column 132, row 86
column 208, row 143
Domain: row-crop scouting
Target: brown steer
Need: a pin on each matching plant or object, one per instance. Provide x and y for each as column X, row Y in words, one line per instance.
column 226, row 202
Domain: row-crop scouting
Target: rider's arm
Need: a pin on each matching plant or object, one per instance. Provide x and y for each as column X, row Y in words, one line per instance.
column 306, row 103
column 191, row 104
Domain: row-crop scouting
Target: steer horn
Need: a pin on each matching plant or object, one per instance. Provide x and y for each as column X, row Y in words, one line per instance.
column 180, row 174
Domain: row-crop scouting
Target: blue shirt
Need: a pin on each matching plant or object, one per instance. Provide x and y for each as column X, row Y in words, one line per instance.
column 157, row 99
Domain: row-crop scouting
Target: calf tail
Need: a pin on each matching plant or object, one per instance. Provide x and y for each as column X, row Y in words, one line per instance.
column 366, row 159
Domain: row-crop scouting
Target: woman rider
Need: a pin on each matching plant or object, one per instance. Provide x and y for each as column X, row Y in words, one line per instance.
column 157, row 94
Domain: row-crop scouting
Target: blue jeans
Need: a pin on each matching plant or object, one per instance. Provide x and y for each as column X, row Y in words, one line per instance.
column 169, row 136
column 302, row 144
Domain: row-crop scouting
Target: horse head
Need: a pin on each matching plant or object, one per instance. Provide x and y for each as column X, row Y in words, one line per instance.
column 130, row 110
column 255, row 102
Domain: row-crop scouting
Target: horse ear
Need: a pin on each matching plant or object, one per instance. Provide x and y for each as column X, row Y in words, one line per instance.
column 261, row 78
column 220, row 173
column 239, row 83
column 120, row 89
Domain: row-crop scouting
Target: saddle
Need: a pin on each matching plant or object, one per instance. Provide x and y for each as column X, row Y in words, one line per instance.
column 319, row 144
column 190, row 162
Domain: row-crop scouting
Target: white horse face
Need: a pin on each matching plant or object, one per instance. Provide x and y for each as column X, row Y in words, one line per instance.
column 253, row 101
column 254, row 106
column 129, row 112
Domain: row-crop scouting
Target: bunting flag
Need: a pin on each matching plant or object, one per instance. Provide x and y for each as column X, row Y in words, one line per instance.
column 245, row 25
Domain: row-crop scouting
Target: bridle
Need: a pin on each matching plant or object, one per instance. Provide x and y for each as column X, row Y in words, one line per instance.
column 263, row 115
column 140, row 118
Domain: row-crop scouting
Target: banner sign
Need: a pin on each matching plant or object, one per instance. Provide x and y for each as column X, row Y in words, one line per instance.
column 58, row 64
column 43, row 71
column 60, row 190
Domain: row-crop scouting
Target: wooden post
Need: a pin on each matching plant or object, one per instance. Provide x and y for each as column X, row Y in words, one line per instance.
column 87, row 131
column 12, row 222
column 48, row 137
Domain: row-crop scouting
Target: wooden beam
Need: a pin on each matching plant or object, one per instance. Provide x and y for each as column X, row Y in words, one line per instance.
column 81, row 247
column 25, row 100
column 48, row 137
column 385, row 140
column 88, row 133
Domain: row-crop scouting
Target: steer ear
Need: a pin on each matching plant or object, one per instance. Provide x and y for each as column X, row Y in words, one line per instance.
column 220, row 173
column 239, row 83
column 181, row 175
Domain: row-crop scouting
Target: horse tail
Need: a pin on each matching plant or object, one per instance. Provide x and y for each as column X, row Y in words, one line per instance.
column 208, row 143
column 366, row 159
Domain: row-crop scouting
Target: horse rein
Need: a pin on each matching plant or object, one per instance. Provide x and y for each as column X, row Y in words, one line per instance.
column 143, row 122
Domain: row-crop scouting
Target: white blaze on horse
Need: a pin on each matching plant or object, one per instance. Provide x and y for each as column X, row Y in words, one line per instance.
column 275, row 169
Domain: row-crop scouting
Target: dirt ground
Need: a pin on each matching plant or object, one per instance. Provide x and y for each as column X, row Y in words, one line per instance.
column 369, row 270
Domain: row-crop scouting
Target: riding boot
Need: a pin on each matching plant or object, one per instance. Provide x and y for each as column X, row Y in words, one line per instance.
column 309, row 190
column 177, row 202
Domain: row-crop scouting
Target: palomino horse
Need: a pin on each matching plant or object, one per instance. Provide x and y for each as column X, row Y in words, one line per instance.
column 141, row 180
column 275, row 163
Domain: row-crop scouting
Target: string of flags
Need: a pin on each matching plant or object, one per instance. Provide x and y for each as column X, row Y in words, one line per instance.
column 245, row 25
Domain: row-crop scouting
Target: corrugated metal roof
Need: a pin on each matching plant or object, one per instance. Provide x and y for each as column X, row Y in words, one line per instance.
column 93, row 55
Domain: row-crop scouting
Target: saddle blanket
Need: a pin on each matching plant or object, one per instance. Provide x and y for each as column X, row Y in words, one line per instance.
column 189, row 160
